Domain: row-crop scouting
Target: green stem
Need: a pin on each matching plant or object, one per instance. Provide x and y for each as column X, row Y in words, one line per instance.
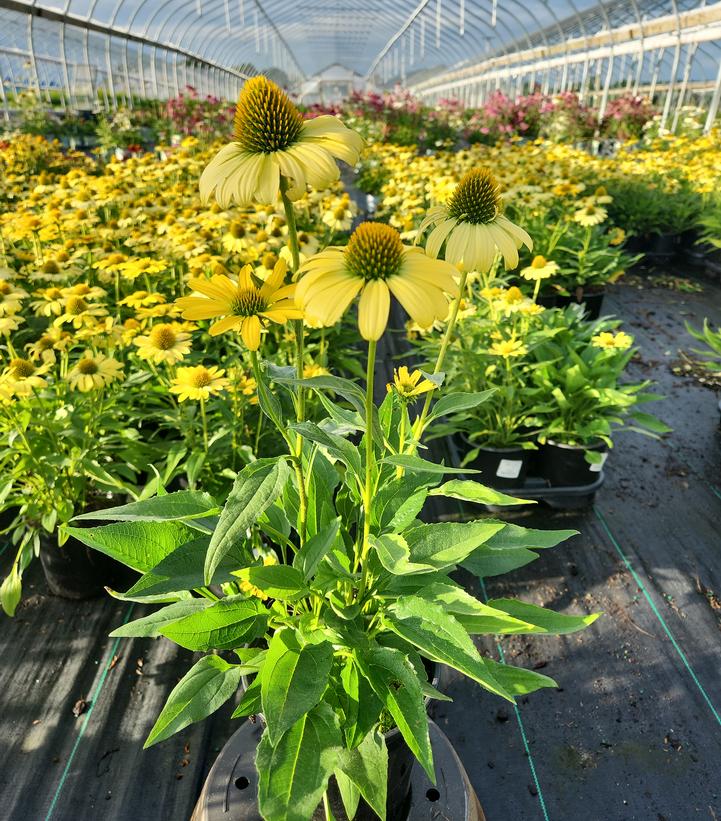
column 420, row 424
column 370, row 461
column 205, row 423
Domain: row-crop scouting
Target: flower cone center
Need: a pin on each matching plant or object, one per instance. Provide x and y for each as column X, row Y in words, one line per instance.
column 200, row 378
column 163, row 337
column 375, row 251
column 22, row 368
column 76, row 305
column 477, row 198
column 248, row 303
column 88, row 366
column 265, row 118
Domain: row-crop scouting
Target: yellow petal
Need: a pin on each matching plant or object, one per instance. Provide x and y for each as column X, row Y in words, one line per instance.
column 250, row 332
column 223, row 325
column 373, row 309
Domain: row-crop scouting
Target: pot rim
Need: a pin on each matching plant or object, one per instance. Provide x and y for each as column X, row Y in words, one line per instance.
column 599, row 445
column 491, row 449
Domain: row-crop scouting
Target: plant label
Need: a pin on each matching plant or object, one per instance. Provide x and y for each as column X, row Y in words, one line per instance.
column 509, row 468
column 597, row 467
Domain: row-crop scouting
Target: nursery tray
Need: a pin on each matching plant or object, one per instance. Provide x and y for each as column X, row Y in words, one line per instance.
column 230, row 791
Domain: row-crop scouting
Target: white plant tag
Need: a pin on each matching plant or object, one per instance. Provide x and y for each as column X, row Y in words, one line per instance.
column 597, row 467
column 509, row 468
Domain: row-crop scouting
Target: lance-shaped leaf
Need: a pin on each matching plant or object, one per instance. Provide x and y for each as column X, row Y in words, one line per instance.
column 208, row 684
column 418, row 465
column 469, row 491
column 140, row 545
column 547, row 621
column 335, row 446
column 367, row 768
column 184, row 504
column 256, row 487
column 396, row 684
column 294, row 772
column 279, row 581
column 455, row 402
column 516, row 680
column 314, row 550
column 440, row 638
column 222, row 626
column 293, row 680
column 447, row 543
column 149, row 626
column 395, row 555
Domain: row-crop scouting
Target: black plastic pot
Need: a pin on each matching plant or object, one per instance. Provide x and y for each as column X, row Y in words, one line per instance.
column 75, row 571
column 661, row 248
column 591, row 300
column 499, row 467
column 566, row 465
column 547, row 300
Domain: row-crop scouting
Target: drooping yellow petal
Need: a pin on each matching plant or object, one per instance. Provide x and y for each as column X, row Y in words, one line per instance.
column 250, row 332
column 223, row 325
column 373, row 309
column 420, row 306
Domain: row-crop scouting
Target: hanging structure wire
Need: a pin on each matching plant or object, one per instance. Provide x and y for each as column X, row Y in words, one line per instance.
column 76, row 52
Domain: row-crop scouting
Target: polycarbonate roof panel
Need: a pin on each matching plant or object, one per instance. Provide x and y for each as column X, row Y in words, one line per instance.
column 302, row 38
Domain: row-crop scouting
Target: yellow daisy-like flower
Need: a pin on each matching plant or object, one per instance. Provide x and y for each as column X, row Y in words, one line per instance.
column 616, row 236
column 508, row 348
column 314, row 369
column 472, row 226
column 272, row 138
column 590, row 215
column 376, row 264
column 141, row 299
column 51, row 341
column 198, row 382
column 540, row 268
column 9, row 324
column 245, row 306
column 78, row 312
column 620, row 341
column 93, row 371
column 11, row 298
column 409, row 385
column 50, row 302
column 165, row 343
column 22, row 376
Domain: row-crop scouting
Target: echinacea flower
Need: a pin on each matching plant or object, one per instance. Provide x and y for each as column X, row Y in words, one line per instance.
column 23, row 377
column 198, row 382
column 408, row 384
column 620, row 341
column 272, row 138
column 376, row 264
column 78, row 312
column 93, row 371
column 590, row 215
column 472, row 226
column 508, row 348
column 540, row 268
column 165, row 343
column 244, row 305
column 11, row 298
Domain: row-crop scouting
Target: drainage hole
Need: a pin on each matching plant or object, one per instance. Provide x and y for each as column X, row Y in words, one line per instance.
column 242, row 783
column 433, row 794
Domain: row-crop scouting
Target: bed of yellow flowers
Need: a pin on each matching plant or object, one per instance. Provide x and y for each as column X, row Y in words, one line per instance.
column 103, row 390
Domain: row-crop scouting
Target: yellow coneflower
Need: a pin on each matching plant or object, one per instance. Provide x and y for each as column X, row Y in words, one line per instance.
column 78, row 312
column 617, row 236
column 408, row 384
column 50, row 302
column 142, row 299
column 23, row 376
column 340, row 217
column 245, row 306
column 472, row 226
column 508, row 348
column 93, row 371
column 10, row 324
column 165, row 343
column 272, row 138
column 620, row 341
column 198, row 382
column 590, row 215
column 376, row 264
column 540, row 268
column 11, row 298
column 51, row 341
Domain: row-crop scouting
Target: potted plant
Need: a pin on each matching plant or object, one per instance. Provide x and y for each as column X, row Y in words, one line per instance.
column 316, row 578
column 579, row 399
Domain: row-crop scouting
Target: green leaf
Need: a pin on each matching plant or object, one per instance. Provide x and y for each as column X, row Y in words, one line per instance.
column 314, row 550
column 475, row 616
column 485, row 561
column 250, row 702
column 651, row 422
column 516, row 680
column 255, row 489
column 367, row 768
column 441, row 638
column 294, row 772
column 184, row 569
column 335, row 446
column 443, row 544
column 516, row 536
column 185, row 504
column 141, row 545
column 547, row 620
column 279, row 581
column 226, row 624
column 11, row 591
column 149, row 626
column 208, row 684
column 394, row 554
column 396, row 684
column 469, row 491
column 361, row 705
column 455, row 402
column 293, row 679
column 418, row 465
column 349, row 793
